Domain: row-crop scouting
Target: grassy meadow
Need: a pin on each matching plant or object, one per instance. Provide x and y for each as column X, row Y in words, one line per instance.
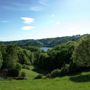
column 77, row 82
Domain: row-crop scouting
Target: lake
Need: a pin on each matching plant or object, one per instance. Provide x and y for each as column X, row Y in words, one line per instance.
column 45, row 48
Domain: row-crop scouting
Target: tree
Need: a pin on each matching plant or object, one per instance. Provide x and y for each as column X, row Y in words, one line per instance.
column 1, row 60
column 55, row 58
column 61, row 55
column 81, row 54
column 24, row 56
column 42, row 61
column 10, row 59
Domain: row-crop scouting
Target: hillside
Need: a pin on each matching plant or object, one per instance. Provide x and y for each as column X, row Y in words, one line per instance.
column 48, row 42
column 78, row 82
column 66, row 66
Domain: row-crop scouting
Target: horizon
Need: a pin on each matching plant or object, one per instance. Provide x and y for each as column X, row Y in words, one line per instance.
column 40, row 19
column 42, row 38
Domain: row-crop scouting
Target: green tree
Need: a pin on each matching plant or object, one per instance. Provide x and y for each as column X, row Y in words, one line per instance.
column 24, row 56
column 61, row 55
column 42, row 61
column 10, row 59
column 81, row 54
column 1, row 60
column 56, row 57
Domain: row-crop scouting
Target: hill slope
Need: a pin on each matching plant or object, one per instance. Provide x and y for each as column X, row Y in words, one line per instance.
column 78, row 82
column 49, row 42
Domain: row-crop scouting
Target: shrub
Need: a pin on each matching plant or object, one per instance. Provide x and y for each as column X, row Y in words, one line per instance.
column 55, row 73
column 73, row 68
column 26, row 67
column 39, row 76
column 13, row 73
column 22, row 76
column 18, row 66
column 65, row 69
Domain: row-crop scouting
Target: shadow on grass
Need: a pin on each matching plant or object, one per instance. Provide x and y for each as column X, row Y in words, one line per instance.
column 40, row 71
column 80, row 78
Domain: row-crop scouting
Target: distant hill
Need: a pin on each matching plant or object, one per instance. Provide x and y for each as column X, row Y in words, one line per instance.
column 48, row 42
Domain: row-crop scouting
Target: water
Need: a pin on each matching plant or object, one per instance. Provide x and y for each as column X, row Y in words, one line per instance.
column 45, row 48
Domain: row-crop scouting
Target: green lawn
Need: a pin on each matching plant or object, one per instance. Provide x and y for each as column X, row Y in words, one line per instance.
column 78, row 82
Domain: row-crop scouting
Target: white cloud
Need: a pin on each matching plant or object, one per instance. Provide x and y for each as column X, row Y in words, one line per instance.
column 27, row 20
column 27, row 27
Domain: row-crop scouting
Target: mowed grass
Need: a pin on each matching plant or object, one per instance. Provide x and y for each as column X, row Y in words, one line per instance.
column 77, row 82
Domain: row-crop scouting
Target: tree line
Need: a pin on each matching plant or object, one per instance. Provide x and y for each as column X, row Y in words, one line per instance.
column 64, row 59
column 48, row 42
column 68, row 58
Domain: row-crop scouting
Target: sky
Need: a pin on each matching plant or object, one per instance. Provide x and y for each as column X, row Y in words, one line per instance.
column 36, row 19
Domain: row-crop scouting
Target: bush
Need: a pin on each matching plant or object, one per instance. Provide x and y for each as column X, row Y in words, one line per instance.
column 26, row 67
column 13, row 73
column 40, row 76
column 59, row 72
column 55, row 73
column 73, row 69
column 18, row 66
column 65, row 69
column 22, row 76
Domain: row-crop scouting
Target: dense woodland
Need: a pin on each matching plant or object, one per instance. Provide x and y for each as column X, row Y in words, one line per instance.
column 69, row 56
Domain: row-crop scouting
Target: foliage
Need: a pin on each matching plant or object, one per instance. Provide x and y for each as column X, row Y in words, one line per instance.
column 78, row 82
column 23, row 74
column 54, row 73
column 41, row 61
column 32, row 48
column 26, row 66
column 59, row 72
column 39, row 76
column 10, row 59
column 61, row 55
column 18, row 66
column 61, row 60
column 81, row 54
column 49, row 42
column 1, row 60
column 24, row 56
column 58, row 57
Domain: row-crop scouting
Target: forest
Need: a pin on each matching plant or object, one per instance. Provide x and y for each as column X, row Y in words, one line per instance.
column 68, row 56
column 48, row 42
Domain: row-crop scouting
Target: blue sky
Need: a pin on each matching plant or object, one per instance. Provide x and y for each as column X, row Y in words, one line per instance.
column 35, row 19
